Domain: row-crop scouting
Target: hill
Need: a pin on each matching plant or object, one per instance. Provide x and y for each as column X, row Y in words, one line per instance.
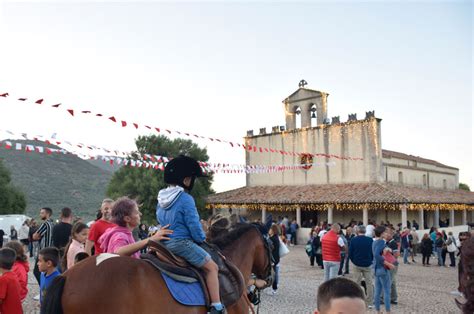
column 56, row 180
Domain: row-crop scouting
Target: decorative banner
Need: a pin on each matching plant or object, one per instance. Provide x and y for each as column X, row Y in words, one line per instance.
column 207, row 167
column 123, row 123
column 159, row 162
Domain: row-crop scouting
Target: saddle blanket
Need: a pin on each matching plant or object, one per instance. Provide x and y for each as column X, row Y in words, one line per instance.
column 185, row 293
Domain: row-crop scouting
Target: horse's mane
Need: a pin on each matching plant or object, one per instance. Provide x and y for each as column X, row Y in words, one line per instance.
column 226, row 238
column 467, row 276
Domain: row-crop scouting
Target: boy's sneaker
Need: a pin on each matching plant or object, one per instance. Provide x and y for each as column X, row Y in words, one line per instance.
column 213, row 310
column 36, row 297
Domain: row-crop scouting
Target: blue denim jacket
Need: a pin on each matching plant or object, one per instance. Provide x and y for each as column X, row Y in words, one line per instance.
column 377, row 249
column 177, row 209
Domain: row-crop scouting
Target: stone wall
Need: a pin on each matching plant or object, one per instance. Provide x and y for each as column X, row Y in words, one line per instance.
column 359, row 138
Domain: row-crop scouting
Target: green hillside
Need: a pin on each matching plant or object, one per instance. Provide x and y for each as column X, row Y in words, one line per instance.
column 56, row 180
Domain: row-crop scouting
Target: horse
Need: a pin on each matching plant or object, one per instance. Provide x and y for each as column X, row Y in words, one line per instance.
column 128, row 285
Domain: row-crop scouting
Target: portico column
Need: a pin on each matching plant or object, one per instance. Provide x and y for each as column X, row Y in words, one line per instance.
column 264, row 215
column 298, row 216
column 214, row 210
column 421, row 219
column 451, row 217
column 403, row 209
column 464, row 217
column 330, row 215
column 436, row 218
column 365, row 216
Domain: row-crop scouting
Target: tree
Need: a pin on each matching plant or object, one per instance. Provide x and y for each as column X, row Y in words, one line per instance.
column 464, row 186
column 143, row 184
column 12, row 200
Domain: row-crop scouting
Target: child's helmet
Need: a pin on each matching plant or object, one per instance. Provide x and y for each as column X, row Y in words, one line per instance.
column 181, row 167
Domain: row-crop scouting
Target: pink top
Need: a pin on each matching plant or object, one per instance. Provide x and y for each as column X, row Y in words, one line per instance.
column 74, row 248
column 115, row 238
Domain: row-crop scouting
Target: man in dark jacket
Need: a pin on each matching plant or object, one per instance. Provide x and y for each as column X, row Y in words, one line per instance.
column 360, row 254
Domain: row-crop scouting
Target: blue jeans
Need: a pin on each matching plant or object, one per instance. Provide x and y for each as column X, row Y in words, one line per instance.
column 439, row 253
column 382, row 283
column 189, row 250
column 330, row 269
column 276, row 278
column 406, row 252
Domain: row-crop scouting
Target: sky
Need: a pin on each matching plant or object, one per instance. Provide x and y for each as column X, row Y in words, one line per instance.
column 219, row 69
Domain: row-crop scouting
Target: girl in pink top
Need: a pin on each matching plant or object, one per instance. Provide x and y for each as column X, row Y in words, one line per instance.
column 119, row 239
column 79, row 234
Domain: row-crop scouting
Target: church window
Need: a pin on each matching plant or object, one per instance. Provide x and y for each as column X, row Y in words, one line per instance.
column 400, row 177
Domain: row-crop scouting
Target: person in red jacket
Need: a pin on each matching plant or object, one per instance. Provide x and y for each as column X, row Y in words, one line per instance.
column 21, row 267
column 10, row 302
column 331, row 245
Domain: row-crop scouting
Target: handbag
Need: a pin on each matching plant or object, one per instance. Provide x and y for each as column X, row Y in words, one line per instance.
column 390, row 259
column 309, row 249
column 452, row 246
column 283, row 250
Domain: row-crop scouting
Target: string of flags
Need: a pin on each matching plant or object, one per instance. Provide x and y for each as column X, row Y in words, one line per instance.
column 124, row 123
column 159, row 162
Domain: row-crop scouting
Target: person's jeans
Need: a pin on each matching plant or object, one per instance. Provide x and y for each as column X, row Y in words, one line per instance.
column 330, row 270
column 439, row 253
column 406, row 253
column 36, row 271
column 382, row 284
column 276, row 269
column 453, row 259
column 294, row 238
column 393, row 286
column 366, row 274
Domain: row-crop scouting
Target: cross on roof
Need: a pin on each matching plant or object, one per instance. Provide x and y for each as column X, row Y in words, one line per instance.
column 302, row 84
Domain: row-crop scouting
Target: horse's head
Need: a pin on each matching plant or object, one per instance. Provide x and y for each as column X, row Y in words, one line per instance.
column 262, row 266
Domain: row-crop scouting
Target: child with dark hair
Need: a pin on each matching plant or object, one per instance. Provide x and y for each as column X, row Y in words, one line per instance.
column 79, row 234
column 10, row 301
column 80, row 256
column 340, row 295
column 48, row 261
column 21, row 267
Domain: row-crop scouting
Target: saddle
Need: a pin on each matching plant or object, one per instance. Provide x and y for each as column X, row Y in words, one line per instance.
column 231, row 281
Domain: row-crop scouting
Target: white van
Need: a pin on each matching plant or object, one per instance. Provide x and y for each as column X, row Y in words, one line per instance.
column 6, row 221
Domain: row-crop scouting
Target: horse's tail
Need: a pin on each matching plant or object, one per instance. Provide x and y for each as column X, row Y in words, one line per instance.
column 52, row 300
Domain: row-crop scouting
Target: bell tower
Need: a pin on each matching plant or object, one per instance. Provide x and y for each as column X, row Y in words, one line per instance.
column 305, row 104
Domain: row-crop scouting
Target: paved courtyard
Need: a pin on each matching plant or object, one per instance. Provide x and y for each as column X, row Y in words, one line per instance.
column 421, row 289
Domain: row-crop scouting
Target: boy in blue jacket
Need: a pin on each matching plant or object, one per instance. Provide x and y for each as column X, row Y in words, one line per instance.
column 177, row 209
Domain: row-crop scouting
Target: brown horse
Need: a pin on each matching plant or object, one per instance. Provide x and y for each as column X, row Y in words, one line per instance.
column 128, row 285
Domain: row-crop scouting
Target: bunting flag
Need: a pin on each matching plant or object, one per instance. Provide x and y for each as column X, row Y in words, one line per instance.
column 252, row 149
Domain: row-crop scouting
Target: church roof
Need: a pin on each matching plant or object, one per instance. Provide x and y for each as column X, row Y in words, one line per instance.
column 389, row 154
column 304, row 89
column 342, row 196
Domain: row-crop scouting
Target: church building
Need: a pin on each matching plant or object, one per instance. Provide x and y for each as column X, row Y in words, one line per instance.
column 344, row 173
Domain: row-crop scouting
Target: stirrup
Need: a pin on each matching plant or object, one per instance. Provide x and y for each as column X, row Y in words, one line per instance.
column 213, row 310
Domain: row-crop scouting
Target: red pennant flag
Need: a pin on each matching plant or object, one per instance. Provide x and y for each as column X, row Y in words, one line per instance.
column 28, row 149
column 218, row 140
column 211, row 139
column 47, row 142
column 168, row 131
column 8, row 144
column 157, row 129
column 59, row 143
column 21, row 99
column 272, row 150
column 187, row 134
column 98, row 115
column 135, row 125
column 255, row 148
column 261, row 150
column 48, row 151
column 4, row 95
column 55, row 106
column 112, row 119
column 124, row 123
column 39, row 101
column 266, row 149
column 71, row 111
column 111, row 162
column 85, row 111
column 146, row 126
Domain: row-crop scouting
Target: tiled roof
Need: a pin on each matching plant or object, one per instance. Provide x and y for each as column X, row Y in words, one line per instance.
column 389, row 154
column 340, row 193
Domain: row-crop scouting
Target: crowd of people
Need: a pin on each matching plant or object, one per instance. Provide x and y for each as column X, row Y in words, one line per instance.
column 371, row 252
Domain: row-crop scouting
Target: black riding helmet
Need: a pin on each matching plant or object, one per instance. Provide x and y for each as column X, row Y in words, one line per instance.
column 181, row 167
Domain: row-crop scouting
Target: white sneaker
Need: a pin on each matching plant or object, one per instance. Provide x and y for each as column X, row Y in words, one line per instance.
column 270, row 292
column 456, row 293
column 36, row 297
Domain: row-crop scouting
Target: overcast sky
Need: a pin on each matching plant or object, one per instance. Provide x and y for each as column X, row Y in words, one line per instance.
column 221, row 69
